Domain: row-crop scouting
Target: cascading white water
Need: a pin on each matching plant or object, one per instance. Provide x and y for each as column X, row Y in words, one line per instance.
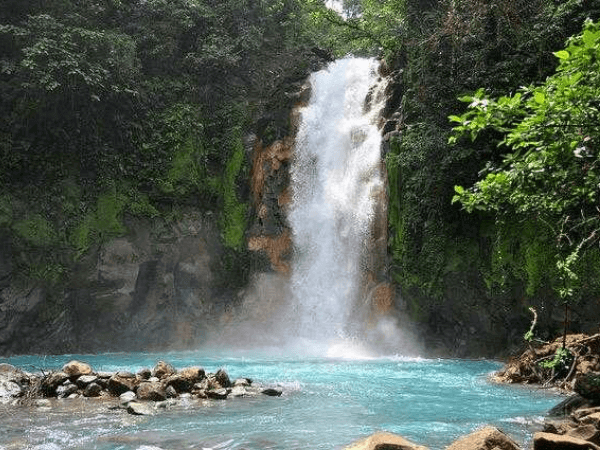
column 335, row 178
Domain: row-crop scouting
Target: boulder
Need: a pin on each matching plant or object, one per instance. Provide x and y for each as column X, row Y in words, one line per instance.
column 77, row 368
column 162, row 370
column 384, row 441
column 92, row 390
column 118, row 384
column 548, row 441
column 151, row 391
column 484, row 439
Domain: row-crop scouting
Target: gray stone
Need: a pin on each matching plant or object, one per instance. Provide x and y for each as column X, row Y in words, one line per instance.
column 9, row 389
column 51, row 382
column 126, row 397
column 65, row 390
column 84, row 380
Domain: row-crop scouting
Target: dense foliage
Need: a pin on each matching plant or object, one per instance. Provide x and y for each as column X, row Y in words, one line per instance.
column 453, row 50
column 550, row 173
column 122, row 108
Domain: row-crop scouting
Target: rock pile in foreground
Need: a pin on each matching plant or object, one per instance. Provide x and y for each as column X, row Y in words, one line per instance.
column 77, row 379
column 488, row 438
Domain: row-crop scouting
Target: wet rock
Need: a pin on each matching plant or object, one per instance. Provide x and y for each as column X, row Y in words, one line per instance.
column 385, row 441
column 272, row 392
column 484, row 439
column 66, row 389
column 77, row 368
column 222, row 378
column 218, row 394
column 92, row 390
column 144, row 374
column 127, row 397
column 170, row 392
column 140, row 409
column 162, row 370
column 548, row 441
column 239, row 391
column 184, row 381
column 118, row 383
column 242, row 382
column 51, row 382
column 84, row 380
column 151, row 391
column 9, row 389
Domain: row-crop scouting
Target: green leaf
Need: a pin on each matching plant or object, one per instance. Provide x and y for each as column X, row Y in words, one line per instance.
column 562, row 54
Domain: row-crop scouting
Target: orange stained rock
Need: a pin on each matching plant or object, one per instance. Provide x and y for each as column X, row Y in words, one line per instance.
column 277, row 249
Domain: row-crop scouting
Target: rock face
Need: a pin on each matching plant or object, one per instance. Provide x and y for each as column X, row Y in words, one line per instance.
column 163, row 282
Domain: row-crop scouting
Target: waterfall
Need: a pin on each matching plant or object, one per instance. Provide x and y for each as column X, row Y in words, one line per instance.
column 336, row 177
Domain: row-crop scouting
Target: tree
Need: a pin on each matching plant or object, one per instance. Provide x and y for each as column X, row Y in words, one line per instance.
column 550, row 173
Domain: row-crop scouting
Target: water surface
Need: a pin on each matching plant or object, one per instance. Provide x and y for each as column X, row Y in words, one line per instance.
column 327, row 404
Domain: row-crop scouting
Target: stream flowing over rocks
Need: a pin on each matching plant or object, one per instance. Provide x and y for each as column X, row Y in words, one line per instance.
column 140, row 393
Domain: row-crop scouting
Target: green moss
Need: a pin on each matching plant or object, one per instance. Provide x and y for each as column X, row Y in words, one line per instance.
column 234, row 214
